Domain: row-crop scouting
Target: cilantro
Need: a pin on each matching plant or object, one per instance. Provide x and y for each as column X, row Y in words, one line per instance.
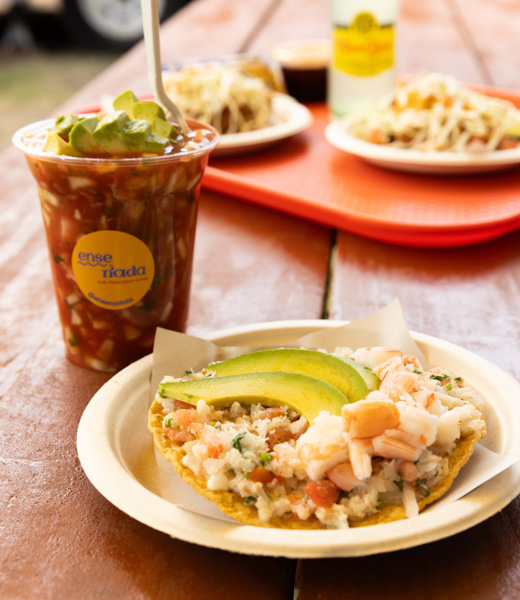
column 235, row 442
column 265, row 458
column 249, row 499
column 399, row 484
column 420, row 483
column 57, row 257
column 439, row 377
column 148, row 306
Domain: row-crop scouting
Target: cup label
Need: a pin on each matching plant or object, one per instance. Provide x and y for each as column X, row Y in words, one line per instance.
column 114, row 270
column 364, row 47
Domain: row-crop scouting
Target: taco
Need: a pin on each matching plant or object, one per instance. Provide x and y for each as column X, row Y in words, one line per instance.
column 377, row 459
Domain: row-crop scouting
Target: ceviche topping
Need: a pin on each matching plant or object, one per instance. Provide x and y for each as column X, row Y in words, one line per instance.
column 393, row 447
column 436, row 112
column 133, row 128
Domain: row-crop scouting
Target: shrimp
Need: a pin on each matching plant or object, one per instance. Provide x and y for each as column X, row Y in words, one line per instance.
column 322, row 446
column 408, row 471
column 343, row 477
column 387, row 446
column 396, row 384
column 360, row 455
column 369, row 417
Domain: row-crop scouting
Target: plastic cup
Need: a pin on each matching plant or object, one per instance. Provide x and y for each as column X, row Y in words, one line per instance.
column 120, row 235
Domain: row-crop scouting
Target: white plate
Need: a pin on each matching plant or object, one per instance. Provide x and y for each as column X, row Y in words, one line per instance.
column 115, row 450
column 289, row 117
column 414, row 161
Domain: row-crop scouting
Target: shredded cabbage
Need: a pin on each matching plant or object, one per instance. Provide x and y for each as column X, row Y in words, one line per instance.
column 221, row 96
column 436, row 112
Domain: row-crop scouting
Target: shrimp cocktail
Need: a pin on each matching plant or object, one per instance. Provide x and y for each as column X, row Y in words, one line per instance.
column 119, row 194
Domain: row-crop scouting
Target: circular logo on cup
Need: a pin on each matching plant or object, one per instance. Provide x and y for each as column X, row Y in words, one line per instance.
column 113, row 269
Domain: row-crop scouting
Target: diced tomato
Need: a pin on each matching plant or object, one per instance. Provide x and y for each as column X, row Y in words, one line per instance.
column 278, row 436
column 323, row 493
column 180, row 404
column 213, row 441
column 271, row 413
column 262, row 475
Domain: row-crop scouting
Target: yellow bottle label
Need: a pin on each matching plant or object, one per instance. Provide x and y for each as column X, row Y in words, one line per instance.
column 113, row 269
column 363, row 48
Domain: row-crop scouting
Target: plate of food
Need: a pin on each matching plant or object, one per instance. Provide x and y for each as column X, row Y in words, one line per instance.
column 267, row 483
column 245, row 109
column 433, row 124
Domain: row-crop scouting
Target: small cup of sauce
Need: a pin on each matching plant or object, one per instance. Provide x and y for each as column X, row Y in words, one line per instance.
column 304, row 65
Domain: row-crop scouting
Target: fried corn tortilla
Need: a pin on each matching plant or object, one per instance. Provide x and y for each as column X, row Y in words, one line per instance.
column 233, row 505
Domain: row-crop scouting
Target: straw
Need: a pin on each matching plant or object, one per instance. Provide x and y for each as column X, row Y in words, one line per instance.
column 150, row 12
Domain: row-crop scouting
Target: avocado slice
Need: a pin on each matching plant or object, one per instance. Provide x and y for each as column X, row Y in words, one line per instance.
column 305, row 394
column 371, row 379
column 108, row 132
column 149, row 111
column 155, row 143
column 81, row 137
column 63, row 125
column 135, row 133
column 54, row 144
column 324, row 366
column 126, row 101
column 163, row 128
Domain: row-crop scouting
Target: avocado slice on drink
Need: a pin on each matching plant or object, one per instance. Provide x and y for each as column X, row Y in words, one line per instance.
column 63, row 125
column 126, row 102
column 133, row 127
column 81, row 137
column 55, row 144
column 317, row 364
column 148, row 111
column 305, row 394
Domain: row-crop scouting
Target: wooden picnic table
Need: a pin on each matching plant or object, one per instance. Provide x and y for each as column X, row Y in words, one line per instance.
column 59, row 537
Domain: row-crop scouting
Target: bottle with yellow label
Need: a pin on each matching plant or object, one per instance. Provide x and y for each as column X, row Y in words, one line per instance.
column 362, row 67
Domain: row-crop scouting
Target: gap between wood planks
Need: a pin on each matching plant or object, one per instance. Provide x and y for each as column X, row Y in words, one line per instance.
column 325, row 309
column 465, row 32
column 260, row 25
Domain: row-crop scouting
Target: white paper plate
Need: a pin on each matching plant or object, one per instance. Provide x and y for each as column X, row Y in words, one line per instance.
column 289, row 117
column 115, row 450
column 414, row 161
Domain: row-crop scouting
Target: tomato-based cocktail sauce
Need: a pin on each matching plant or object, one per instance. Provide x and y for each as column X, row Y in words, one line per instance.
column 120, row 232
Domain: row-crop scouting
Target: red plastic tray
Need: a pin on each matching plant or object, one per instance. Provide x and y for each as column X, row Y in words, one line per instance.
column 307, row 177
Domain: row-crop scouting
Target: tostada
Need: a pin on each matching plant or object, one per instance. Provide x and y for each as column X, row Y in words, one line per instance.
column 304, row 439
